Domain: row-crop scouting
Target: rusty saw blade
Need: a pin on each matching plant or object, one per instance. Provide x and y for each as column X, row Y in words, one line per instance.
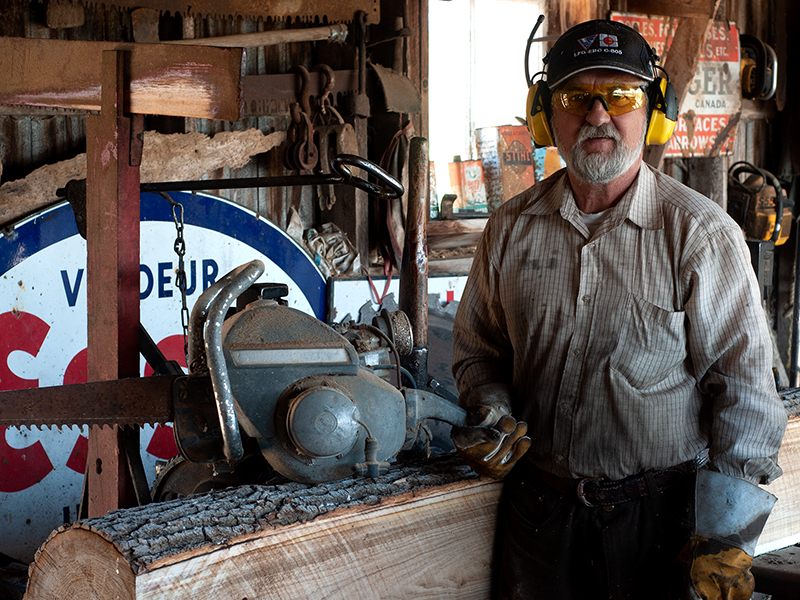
column 135, row 401
column 334, row 11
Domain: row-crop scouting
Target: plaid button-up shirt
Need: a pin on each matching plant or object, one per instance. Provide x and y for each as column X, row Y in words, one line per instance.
column 633, row 348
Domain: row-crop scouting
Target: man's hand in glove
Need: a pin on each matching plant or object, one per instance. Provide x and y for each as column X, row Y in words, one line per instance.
column 729, row 516
column 491, row 450
column 718, row 571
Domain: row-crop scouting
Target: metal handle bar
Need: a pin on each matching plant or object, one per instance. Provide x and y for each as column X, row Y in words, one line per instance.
column 389, row 187
column 238, row 281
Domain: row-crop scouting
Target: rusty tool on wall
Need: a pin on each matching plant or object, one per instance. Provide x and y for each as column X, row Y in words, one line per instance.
column 301, row 10
column 333, row 134
column 301, row 153
column 387, row 186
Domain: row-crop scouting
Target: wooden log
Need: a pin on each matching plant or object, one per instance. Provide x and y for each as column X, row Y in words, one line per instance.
column 423, row 531
column 416, row 532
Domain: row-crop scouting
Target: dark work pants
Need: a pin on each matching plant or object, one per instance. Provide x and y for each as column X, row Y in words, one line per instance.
column 553, row 547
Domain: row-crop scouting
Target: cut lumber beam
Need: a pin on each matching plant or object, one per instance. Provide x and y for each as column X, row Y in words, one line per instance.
column 112, row 279
column 417, row 532
column 187, row 81
column 783, row 526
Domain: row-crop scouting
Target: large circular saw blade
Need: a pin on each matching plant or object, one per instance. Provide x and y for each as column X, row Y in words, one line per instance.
column 180, row 478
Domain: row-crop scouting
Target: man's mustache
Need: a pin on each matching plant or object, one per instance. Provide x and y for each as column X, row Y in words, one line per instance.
column 606, row 130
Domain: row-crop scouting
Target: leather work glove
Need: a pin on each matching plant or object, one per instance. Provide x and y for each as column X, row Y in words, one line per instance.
column 730, row 514
column 718, row 570
column 492, row 441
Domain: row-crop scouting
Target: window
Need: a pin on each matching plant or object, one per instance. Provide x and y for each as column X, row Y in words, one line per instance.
column 476, row 73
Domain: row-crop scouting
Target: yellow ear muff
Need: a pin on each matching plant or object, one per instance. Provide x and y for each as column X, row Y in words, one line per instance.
column 537, row 110
column 663, row 112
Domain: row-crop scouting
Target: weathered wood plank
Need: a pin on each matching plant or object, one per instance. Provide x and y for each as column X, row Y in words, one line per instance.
column 166, row 157
column 204, row 82
column 456, row 226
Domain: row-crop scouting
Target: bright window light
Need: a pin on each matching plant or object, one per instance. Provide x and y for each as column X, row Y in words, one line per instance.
column 476, row 73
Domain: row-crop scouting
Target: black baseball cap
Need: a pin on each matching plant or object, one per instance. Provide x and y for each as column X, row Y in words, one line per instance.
column 599, row 44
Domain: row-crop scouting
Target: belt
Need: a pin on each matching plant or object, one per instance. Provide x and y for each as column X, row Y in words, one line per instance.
column 598, row 492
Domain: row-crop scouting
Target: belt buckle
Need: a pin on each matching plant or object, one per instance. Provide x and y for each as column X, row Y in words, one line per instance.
column 582, row 492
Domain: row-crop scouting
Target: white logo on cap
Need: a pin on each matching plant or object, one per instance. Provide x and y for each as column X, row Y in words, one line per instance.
column 587, row 41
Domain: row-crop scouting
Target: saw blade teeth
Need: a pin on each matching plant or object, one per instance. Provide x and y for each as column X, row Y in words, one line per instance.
column 63, row 425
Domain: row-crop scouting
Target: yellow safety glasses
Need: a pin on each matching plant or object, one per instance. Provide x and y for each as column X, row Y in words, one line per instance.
column 617, row 98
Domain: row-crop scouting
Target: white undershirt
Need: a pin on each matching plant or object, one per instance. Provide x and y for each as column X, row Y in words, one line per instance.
column 594, row 220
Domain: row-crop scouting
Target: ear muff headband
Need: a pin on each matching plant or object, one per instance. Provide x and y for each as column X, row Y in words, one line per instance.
column 537, row 114
column 663, row 112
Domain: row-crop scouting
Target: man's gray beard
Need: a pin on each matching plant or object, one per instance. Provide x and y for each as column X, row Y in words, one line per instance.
column 597, row 167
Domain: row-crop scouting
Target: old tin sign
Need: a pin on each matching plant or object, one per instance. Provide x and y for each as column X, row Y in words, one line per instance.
column 507, row 162
column 709, row 112
column 43, row 334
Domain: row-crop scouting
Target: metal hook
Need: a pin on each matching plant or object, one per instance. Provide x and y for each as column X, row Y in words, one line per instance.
column 305, row 104
column 330, row 80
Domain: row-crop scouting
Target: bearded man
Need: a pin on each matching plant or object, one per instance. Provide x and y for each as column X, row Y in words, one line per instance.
column 613, row 315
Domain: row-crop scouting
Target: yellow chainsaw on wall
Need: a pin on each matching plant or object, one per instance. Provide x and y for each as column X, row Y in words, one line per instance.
column 758, row 203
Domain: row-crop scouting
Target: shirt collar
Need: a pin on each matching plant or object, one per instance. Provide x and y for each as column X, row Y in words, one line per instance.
column 639, row 204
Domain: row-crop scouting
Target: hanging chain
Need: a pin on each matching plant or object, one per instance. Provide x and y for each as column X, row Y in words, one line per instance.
column 180, row 272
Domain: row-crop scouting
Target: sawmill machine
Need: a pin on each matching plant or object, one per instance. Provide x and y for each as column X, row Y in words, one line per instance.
column 270, row 390
column 313, row 400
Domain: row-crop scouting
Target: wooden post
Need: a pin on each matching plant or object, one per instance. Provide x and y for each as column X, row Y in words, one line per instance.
column 413, row 297
column 112, row 265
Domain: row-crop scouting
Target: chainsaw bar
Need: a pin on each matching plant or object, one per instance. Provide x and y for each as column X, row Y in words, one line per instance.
column 135, row 401
column 341, row 10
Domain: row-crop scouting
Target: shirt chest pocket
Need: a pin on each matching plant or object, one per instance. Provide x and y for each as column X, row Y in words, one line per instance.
column 652, row 343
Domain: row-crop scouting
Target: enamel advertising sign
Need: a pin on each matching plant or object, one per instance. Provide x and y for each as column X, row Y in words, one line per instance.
column 708, row 114
column 43, row 334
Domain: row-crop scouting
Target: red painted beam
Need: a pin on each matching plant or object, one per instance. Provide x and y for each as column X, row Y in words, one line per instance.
column 112, row 271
